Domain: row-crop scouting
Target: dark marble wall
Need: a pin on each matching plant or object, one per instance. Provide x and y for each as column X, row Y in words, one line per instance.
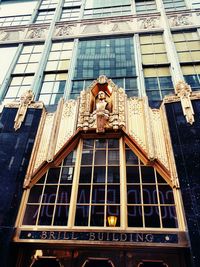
column 15, row 151
column 186, row 146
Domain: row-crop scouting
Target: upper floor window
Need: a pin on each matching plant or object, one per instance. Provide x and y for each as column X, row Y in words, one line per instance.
column 113, row 57
column 145, row 6
column 84, row 190
column 97, row 9
column 173, row 5
column 48, row 4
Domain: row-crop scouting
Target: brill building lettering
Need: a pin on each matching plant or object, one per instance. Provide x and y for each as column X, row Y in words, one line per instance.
column 99, row 236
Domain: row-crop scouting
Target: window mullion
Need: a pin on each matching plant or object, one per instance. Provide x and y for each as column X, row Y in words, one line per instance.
column 73, row 200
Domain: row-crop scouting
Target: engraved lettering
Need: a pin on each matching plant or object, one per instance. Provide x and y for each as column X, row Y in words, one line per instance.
column 149, row 238
column 139, row 237
column 100, row 236
column 51, row 235
column 123, row 237
column 66, row 236
column 44, row 235
column 92, row 237
column 114, row 238
column 74, row 237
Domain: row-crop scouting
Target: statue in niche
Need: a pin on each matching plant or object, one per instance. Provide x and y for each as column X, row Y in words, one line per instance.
column 102, row 111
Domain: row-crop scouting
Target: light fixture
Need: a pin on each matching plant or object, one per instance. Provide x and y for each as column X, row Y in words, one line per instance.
column 112, row 221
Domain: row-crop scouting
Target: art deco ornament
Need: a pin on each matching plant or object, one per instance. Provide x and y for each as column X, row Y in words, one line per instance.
column 183, row 90
column 25, row 100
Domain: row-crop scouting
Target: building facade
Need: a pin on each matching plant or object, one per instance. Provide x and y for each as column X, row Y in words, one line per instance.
column 100, row 133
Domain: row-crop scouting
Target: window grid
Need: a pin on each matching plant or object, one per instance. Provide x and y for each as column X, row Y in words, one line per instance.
column 49, row 199
column 192, row 76
column 153, row 49
column 187, row 46
column 150, row 200
column 48, row 4
column 145, row 6
column 113, row 57
column 72, row 3
column 148, row 191
column 28, row 60
column 45, row 16
column 99, row 157
column 13, row 21
column 53, row 88
column 18, row 86
column 121, row 10
column 70, row 14
column 173, row 5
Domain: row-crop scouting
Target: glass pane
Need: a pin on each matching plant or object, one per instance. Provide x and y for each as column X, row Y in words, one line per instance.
column 113, row 194
column 61, row 215
column 113, row 157
column 64, row 194
column 85, row 175
column 169, row 218
column 98, row 194
column 149, row 194
column 30, row 215
column 83, row 194
column 53, row 176
column 99, row 174
column 133, row 194
column 134, row 216
column 46, row 214
column 49, row 195
column 113, row 211
column 151, row 216
column 82, row 213
column 67, row 175
column 148, row 175
column 35, row 194
column 113, row 174
column 87, row 157
column 131, row 158
column 132, row 174
column 97, row 216
column 100, row 157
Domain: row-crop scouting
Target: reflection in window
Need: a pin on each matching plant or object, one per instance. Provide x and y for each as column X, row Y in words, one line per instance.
column 150, row 201
column 113, row 57
column 97, row 185
column 49, row 198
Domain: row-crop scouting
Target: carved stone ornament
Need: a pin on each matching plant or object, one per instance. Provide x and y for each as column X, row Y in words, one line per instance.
column 149, row 23
column 102, row 106
column 65, row 30
column 25, row 100
column 179, row 20
column 183, row 90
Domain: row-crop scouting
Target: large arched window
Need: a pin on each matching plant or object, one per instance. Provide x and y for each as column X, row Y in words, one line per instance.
column 101, row 178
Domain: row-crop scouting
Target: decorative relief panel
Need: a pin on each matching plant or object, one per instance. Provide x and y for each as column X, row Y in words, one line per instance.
column 180, row 20
column 159, row 137
column 67, row 123
column 148, row 22
column 44, row 141
column 36, row 32
column 7, row 35
column 136, row 121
